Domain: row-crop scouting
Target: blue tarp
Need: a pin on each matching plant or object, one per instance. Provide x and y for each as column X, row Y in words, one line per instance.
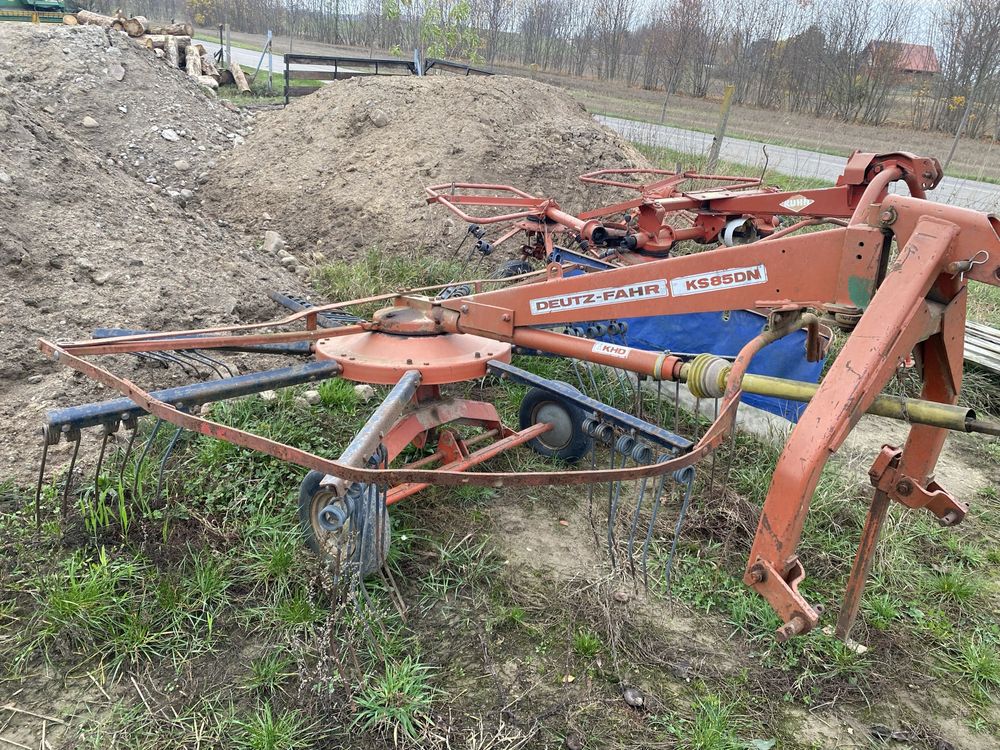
column 725, row 334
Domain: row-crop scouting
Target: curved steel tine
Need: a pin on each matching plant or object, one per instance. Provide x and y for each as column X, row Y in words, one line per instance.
column 657, row 498
column 64, row 508
column 183, row 356
column 142, row 458
column 677, row 404
column 195, row 357
column 382, row 515
column 638, row 397
column 186, row 367
column 593, row 381
column 41, row 479
column 163, row 464
column 161, row 358
column 590, row 492
column 635, row 526
column 579, row 377
column 166, row 359
column 611, row 511
column 366, row 534
column 711, row 478
column 685, row 476
column 105, row 429
column 729, row 459
column 211, row 362
column 149, row 357
column 133, row 429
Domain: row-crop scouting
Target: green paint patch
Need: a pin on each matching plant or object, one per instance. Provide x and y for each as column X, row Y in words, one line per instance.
column 860, row 291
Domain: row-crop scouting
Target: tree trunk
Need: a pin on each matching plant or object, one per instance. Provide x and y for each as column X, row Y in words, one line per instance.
column 238, row 78
column 136, row 26
column 174, row 29
column 193, row 62
column 173, row 52
column 118, row 24
column 208, row 82
column 70, row 20
column 95, row 19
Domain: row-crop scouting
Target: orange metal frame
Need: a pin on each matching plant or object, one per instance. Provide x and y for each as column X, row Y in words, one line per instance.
column 914, row 302
column 648, row 229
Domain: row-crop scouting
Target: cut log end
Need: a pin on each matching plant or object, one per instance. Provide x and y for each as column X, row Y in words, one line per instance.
column 136, row 26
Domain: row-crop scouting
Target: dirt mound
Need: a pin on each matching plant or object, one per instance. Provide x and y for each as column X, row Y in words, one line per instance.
column 345, row 168
column 145, row 118
column 85, row 240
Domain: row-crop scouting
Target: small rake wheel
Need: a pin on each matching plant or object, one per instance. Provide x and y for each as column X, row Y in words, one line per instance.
column 347, row 529
column 567, row 440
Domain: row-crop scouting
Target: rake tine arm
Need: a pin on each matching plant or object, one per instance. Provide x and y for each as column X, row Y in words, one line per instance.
column 448, row 478
column 123, row 409
column 299, row 348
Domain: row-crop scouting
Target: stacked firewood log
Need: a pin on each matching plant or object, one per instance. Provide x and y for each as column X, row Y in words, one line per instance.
column 173, row 43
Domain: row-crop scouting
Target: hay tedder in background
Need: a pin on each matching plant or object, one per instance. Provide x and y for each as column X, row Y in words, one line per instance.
column 903, row 263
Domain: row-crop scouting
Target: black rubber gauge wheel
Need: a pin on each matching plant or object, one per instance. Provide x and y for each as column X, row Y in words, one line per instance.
column 566, row 440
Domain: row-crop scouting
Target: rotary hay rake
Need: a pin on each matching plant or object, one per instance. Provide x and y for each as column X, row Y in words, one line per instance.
column 903, row 261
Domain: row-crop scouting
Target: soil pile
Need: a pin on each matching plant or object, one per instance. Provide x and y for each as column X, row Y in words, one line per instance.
column 85, row 240
column 344, row 169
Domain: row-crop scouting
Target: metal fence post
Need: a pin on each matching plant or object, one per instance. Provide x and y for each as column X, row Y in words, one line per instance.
column 270, row 64
column 286, row 79
column 720, row 131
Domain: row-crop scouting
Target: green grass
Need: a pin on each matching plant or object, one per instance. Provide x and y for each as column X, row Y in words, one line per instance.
column 268, row 672
column 975, row 660
column 586, row 644
column 259, row 94
column 268, row 729
column 396, row 700
column 377, row 272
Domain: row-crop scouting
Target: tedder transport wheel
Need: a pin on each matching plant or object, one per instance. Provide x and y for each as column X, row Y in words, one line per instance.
column 353, row 533
column 567, row 439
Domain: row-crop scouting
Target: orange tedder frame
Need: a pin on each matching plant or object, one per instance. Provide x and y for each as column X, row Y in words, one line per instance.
column 905, row 261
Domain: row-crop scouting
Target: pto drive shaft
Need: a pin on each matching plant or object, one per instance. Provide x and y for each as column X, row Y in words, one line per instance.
column 706, row 376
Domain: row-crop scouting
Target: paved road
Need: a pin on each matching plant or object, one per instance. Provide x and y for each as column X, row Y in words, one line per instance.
column 981, row 196
column 250, row 58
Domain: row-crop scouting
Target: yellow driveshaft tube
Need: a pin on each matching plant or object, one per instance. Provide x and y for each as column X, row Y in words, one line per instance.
column 706, row 376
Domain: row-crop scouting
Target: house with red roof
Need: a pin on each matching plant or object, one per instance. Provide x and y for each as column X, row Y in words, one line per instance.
column 908, row 59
